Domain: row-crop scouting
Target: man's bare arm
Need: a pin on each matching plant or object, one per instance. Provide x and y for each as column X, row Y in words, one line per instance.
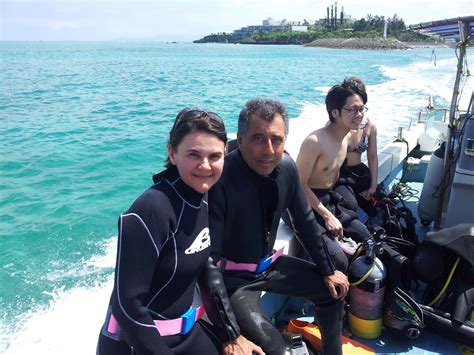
column 308, row 155
column 306, row 160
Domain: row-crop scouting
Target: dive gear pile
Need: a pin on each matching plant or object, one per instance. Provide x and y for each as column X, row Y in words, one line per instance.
column 449, row 294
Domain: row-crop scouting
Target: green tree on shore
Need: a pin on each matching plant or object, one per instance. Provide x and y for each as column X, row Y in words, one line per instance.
column 369, row 27
column 395, row 25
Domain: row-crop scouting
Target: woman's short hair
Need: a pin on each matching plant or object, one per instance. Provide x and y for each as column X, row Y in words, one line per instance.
column 191, row 120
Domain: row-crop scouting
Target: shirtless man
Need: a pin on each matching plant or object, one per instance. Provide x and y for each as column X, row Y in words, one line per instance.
column 320, row 159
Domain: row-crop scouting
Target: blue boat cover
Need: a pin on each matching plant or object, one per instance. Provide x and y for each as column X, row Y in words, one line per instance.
column 458, row 28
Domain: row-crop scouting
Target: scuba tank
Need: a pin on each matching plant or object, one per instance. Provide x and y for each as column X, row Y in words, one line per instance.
column 429, row 194
column 367, row 275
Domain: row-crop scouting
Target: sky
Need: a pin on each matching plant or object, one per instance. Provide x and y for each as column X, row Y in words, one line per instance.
column 187, row 20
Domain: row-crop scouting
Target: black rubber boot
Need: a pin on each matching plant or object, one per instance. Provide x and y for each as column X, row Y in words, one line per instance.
column 329, row 319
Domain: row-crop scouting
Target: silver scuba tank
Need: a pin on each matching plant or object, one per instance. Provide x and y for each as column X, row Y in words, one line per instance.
column 367, row 276
column 429, row 193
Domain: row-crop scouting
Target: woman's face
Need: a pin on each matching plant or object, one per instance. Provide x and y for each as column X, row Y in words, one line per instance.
column 199, row 159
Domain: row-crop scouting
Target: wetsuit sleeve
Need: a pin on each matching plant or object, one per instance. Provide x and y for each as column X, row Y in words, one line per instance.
column 217, row 304
column 217, row 219
column 307, row 229
column 137, row 256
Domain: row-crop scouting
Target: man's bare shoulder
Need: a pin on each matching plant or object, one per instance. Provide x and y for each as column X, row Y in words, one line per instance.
column 316, row 136
column 311, row 145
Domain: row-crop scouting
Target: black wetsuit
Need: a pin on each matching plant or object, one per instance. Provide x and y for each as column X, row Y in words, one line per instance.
column 352, row 181
column 356, row 176
column 244, row 213
column 344, row 211
column 163, row 251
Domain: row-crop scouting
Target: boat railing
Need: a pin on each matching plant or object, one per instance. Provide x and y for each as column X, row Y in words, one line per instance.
column 428, row 113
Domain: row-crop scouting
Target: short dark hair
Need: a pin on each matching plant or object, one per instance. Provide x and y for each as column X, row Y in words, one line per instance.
column 338, row 94
column 191, row 120
column 264, row 108
column 356, row 84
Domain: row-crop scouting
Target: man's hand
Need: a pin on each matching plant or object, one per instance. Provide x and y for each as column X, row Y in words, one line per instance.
column 334, row 226
column 241, row 346
column 368, row 194
column 337, row 284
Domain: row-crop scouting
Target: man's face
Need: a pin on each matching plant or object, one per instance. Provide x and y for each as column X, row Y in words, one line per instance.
column 263, row 144
column 351, row 114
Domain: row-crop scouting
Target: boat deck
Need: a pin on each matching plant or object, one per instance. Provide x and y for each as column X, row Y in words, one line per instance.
column 282, row 309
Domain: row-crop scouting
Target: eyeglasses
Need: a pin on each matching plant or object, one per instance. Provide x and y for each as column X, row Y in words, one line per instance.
column 187, row 115
column 354, row 110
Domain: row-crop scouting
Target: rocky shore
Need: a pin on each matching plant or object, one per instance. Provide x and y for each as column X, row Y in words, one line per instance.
column 359, row 43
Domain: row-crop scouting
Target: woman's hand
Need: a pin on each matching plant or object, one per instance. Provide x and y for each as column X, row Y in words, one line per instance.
column 241, row 346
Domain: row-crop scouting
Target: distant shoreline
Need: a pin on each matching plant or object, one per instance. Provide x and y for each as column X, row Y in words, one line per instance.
column 430, row 44
column 370, row 44
column 363, row 43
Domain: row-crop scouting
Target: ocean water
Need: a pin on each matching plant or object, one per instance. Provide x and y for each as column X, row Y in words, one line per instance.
column 83, row 127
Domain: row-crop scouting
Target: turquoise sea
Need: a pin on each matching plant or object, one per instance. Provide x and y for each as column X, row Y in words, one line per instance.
column 83, row 127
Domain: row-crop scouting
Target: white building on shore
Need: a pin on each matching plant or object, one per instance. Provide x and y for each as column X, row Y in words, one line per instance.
column 271, row 25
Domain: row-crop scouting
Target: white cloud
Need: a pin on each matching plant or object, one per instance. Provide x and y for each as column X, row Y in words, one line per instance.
column 190, row 19
column 61, row 25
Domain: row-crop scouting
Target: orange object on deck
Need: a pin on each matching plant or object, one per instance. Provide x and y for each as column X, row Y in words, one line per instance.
column 311, row 334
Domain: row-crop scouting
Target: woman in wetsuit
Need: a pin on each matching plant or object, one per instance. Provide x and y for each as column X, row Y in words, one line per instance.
column 163, row 253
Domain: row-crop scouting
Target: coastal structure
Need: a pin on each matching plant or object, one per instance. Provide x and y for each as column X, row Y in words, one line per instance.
column 333, row 20
column 271, row 25
column 330, row 31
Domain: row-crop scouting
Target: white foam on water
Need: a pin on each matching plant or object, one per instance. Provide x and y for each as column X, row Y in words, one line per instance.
column 312, row 117
column 70, row 324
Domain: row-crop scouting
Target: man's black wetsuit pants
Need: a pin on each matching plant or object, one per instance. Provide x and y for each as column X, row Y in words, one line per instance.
column 344, row 209
column 287, row 276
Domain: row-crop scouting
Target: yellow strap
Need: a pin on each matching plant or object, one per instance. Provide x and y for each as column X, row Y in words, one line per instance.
column 448, row 280
column 465, row 350
column 363, row 278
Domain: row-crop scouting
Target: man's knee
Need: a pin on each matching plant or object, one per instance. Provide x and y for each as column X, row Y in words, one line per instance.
column 253, row 324
column 357, row 231
column 263, row 333
column 338, row 256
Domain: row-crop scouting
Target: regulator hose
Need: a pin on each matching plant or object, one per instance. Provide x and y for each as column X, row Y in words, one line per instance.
column 446, row 284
